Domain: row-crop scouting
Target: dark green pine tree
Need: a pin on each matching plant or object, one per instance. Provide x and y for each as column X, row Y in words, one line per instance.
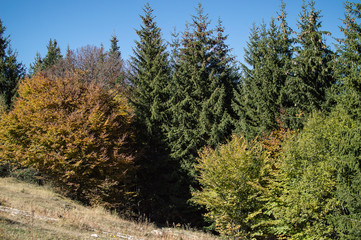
column 348, row 217
column 190, row 90
column 312, row 74
column 10, row 70
column 150, row 76
column 53, row 55
column 258, row 101
column 36, row 65
column 115, row 59
column 204, row 76
column 349, row 61
column 277, row 64
column 244, row 100
column 217, row 116
column 114, row 48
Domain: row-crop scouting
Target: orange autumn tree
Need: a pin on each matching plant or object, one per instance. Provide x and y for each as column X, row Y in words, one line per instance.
column 75, row 132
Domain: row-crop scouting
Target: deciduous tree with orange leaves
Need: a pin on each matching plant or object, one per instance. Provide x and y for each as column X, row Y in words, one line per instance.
column 77, row 133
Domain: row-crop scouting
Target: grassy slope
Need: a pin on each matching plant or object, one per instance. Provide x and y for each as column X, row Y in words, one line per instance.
column 33, row 212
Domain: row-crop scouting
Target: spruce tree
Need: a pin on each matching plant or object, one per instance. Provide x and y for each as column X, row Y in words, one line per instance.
column 53, row 55
column 349, row 60
column 243, row 97
column 258, row 101
column 348, row 217
column 115, row 62
column 114, row 48
column 150, row 75
column 36, row 65
column 217, row 116
column 202, row 91
column 190, row 89
column 11, row 71
column 311, row 76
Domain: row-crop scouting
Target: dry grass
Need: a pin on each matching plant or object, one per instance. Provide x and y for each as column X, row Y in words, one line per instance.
column 32, row 212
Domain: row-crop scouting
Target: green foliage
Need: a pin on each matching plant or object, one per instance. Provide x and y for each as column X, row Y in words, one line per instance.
column 311, row 77
column 202, row 91
column 307, row 184
column 229, row 176
column 204, row 76
column 76, row 133
column 28, row 175
column 349, row 60
column 70, row 125
column 190, row 90
column 150, row 77
column 217, row 116
column 36, row 65
column 115, row 63
column 10, row 70
column 320, row 176
column 114, row 48
column 258, row 101
column 53, row 55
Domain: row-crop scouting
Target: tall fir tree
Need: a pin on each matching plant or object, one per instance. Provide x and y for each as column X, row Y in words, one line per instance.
column 258, row 101
column 11, row 71
column 252, row 57
column 348, row 217
column 202, row 91
column 349, row 60
column 114, row 48
column 36, row 65
column 190, row 89
column 115, row 59
column 217, row 116
column 53, row 55
column 150, row 76
column 311, row 76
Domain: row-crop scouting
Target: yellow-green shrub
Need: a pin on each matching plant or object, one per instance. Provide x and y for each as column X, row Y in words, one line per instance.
column 229, row 176
column 75, row 132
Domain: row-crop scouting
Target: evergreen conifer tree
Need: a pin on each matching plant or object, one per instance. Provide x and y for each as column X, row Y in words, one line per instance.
column 258, row 101
column 115, row 62
column 150, row 75
column 36, row 65
column 190, row 89
column 114, row 48
column 348, row 217
column 10, row 70
column 349, row 60
column 217, row 116
column 311, row 76
column 53, row 55
column 202, row 90
column 175, row 48
column 252, row 57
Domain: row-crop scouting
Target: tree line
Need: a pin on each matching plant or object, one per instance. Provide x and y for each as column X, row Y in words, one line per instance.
column 267, row 149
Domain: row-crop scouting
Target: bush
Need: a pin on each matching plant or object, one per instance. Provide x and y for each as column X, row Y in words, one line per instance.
column 230, row 178
column 74, row 131
column 320, row 180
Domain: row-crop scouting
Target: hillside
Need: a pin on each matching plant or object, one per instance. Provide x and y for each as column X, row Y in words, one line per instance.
column 33, row 212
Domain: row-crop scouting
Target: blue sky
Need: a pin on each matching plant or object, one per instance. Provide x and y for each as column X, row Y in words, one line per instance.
column 78, row 23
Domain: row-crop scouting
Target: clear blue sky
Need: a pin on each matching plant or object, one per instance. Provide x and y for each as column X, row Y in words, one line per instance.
column 78, row 23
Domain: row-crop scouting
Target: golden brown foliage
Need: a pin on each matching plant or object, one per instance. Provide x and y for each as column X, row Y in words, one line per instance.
column 75, row 132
